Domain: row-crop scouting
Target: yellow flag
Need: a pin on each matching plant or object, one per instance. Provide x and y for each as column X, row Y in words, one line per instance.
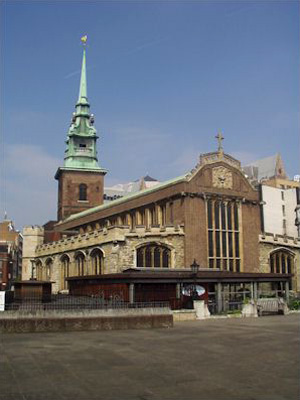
column 84, row 39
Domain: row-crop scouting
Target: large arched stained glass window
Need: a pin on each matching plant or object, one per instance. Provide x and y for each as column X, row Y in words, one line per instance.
column 281, row 262
column 153, row 255
column 97, row 262
column 65, row 270
column 80, row 264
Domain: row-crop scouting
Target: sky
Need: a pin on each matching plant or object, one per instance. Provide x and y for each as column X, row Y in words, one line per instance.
column 164, row 77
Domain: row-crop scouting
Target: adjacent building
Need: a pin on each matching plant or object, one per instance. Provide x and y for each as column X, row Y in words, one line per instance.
column 11, row 243
column 280, row 202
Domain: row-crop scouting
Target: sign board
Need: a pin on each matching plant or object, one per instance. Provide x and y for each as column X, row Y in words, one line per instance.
column 188, row 290
column 2, row 300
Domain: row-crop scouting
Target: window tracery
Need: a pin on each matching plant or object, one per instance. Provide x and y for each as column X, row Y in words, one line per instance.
column 153, row 255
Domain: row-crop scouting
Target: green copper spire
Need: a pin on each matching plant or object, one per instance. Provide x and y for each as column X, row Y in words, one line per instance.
column 81, row 152
column 83, row 87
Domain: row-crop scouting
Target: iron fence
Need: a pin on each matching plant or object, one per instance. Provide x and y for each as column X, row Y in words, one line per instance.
column 84, row 302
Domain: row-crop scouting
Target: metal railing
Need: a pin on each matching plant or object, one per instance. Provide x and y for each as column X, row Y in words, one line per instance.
column 69, row 302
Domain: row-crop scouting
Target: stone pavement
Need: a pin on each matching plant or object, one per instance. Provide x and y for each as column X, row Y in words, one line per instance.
column 221, row 359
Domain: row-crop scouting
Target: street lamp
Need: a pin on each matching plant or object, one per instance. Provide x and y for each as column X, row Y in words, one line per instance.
column 195, row 267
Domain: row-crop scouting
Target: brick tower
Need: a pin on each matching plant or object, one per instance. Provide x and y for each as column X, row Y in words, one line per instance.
column 81, row 179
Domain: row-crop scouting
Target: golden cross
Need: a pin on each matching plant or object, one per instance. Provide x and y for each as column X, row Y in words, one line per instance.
column 220, row 138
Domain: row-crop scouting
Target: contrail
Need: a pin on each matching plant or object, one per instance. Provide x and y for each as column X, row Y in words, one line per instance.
column 144, row 45
column 72, row 74
column 77, row 72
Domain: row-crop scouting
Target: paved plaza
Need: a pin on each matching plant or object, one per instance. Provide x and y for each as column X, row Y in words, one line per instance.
column 255, row 358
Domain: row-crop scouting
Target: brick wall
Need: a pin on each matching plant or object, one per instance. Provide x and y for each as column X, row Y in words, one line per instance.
column 68, row 191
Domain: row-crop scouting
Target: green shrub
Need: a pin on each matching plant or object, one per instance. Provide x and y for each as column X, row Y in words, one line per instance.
column 294, row 304
column 234, row 312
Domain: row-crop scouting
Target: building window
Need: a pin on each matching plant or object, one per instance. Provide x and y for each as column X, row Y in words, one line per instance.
column 153, row 256
column 282, row 194
column 162, row 215
column 152, row 212
column 82, row 192
column 97, row 262
column 223, row 222
column 171, row 212
column 39, row 271
column 80, row 264
column 49, row 267
column 281, row 262
column 65, row 271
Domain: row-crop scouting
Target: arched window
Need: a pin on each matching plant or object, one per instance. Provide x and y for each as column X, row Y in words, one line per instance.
column 82, row 192
column 153, row 256
column 281, row 262
column 49, row 265
column 65, row 271
column 80, row 264
column 97, row 262
column 39, row 270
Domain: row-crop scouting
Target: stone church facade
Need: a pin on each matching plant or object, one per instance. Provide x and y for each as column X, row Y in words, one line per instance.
column 212, row 215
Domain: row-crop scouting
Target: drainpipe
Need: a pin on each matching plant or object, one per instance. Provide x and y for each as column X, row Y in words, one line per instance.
column 261, row 202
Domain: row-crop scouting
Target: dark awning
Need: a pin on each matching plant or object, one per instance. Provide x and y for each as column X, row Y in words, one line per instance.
column 169, row 276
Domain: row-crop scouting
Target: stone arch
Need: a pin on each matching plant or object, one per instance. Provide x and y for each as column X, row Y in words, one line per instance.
column 65, row 262
column 39, row 269
column 282, row 261
column 80, row 262
column 153, row 254
column 49, row 268
column 97, row 261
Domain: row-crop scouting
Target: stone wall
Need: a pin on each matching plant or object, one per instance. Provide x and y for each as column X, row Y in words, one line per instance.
column 32, row 237
column 118, row 245
column 268, row 243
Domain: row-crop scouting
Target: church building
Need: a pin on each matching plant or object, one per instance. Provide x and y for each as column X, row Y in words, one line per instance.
column 209, row 217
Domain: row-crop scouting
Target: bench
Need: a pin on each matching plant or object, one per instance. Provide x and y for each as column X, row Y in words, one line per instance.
column 271, row 306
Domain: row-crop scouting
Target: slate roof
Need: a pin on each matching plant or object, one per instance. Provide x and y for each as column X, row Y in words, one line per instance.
column 264, row 168
column 124, row 199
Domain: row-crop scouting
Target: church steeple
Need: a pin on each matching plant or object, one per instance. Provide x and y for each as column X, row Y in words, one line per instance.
column 82, row 97
column 81, row 140
column 81, row 168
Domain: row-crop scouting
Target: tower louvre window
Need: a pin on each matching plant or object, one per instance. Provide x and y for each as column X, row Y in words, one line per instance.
column 82, row 192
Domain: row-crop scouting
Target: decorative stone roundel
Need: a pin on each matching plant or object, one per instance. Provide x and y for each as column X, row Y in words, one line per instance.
column 222, row 178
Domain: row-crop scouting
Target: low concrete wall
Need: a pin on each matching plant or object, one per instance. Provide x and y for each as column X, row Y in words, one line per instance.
column 94, row 320
column 184, row 315
column 25, row 325
column 109, row 312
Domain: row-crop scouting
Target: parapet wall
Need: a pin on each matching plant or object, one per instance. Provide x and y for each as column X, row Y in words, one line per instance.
column 63, row 322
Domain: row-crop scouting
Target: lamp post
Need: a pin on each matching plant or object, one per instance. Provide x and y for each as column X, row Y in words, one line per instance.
column 195, row 269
